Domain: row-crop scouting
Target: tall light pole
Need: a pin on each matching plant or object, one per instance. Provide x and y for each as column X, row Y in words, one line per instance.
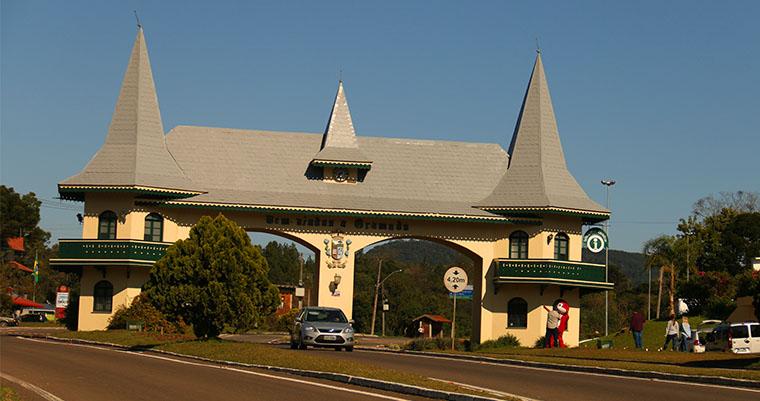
column 607, row 183
column 377, row 289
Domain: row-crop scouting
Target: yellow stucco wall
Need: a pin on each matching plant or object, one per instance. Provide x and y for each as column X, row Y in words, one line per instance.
column 126, row 286
column 482, row 242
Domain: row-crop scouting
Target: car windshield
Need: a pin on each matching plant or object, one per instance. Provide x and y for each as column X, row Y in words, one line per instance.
column 739, row 331
column 331, row 316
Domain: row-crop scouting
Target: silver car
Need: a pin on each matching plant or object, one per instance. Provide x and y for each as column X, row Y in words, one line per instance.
column 322, row 327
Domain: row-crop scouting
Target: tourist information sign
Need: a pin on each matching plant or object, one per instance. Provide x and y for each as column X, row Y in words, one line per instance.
column 595, row 240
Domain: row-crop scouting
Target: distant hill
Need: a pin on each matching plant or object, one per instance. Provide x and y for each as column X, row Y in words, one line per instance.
column 419, row 252
column 630, row 263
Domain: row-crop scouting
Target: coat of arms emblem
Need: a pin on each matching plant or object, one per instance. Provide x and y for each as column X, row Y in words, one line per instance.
column 337, row 248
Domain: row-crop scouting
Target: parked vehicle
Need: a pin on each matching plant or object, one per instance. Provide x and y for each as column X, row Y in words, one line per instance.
column 322, row 327
column 33, row 317
column 8, row 321
column 739, row 338
column 700, row 334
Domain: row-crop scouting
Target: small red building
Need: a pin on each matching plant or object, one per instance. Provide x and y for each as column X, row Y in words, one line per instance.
column 430, row 325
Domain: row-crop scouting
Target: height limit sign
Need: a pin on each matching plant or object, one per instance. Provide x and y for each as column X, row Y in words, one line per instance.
column 455, row 281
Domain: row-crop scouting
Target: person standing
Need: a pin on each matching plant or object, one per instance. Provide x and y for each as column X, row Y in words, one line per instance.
column 637, row 326
column 671, row 333
column 685, row 334
column 552, row 327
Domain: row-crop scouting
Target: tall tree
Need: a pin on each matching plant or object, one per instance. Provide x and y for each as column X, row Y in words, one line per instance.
column 661, row 253
column 212, row 279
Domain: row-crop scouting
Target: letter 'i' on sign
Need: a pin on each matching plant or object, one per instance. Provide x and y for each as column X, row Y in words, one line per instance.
column 595, row 240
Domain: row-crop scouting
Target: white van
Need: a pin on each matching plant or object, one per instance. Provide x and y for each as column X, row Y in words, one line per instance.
column 739, row 338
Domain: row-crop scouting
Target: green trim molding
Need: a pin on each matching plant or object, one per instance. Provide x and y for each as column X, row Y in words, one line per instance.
column 79, row 252
column 550, row 271
column 334, row 163
column 77, row 192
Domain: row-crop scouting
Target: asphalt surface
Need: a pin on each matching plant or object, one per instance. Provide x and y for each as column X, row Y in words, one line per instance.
column 544, row 384
column 72, row 372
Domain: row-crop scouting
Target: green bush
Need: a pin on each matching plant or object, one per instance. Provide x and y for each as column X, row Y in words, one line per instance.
column 540, row 342
column 719, row 307
column 428, row 344
column 152, row 320
column 71, row 320
column 505, row 341
column 283, row 322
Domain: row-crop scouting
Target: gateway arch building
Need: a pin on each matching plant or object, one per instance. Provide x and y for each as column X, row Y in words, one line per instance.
column 517, row 213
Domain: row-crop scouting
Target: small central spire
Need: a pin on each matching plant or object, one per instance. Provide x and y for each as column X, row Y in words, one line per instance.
column 339, row 143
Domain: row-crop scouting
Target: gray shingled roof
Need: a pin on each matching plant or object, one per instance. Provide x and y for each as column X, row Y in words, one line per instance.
column 135, row 152
column 339, row 141
column 270, row 168
column 537, row 175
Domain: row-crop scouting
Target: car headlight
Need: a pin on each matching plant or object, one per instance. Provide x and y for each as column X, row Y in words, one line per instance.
column 308, row 328
column 348, row 330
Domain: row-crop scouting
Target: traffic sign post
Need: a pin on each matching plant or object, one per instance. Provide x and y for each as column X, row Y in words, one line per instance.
column 455, row 281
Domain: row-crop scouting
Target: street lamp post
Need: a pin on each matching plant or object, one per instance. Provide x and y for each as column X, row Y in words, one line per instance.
column 377, row 289
column 607, row 183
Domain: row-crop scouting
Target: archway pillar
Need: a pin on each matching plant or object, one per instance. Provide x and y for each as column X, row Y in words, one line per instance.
column 483, row 253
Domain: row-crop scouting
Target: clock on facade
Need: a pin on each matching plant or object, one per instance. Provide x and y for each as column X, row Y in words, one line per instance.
column 340, row 174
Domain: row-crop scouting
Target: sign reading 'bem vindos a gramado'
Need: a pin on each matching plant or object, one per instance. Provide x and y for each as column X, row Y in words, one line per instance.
column 595, row 240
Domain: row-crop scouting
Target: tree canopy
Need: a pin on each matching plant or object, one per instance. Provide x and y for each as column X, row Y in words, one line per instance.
column 212, row 279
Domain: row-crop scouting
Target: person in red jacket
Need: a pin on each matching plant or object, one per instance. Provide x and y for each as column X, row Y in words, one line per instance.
column 637, row 326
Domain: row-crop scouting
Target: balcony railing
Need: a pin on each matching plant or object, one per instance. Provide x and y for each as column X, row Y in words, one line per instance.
column 550, row 271
column 96, row 252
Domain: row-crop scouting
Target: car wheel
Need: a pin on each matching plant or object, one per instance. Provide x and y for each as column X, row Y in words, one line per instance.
column 349, row 349
column 3, row 324
column 293, row 344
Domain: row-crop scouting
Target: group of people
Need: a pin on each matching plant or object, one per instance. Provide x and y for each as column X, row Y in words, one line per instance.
column 678, row 335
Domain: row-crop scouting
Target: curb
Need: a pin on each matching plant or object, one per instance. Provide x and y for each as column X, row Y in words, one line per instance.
column 407, row 389
column 676, row 377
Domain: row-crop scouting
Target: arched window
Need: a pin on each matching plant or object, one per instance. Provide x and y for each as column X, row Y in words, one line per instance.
column 103, row 295
column 154, row 227
column 561, row 247
column 518, row 245
column 107, row 225
column 517, row 314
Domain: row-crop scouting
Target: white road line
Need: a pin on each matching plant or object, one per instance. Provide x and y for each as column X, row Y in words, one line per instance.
column 485, row 390
column 29, row 386
column 581, row 373
column 290, row 379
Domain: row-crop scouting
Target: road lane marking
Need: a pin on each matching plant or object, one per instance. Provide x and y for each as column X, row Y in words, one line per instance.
column 290, row 379
column 31, row 387
column 485, row 390
column 504, row 365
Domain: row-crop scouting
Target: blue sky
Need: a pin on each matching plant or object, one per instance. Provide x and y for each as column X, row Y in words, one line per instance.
column 660, row 96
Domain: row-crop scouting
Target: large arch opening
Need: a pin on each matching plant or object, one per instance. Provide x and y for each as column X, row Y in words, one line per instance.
column 414, row 291
column 292, row 265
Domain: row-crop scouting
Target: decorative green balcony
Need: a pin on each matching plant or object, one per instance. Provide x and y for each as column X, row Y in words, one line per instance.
column 549, row 271
column 96, row 252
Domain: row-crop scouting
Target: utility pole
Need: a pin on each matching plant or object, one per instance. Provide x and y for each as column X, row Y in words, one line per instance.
column 649, row 296
column 377, row 287
column 377, row 290
column 607, row 183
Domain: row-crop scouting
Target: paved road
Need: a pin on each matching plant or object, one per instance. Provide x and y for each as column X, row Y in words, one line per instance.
column 73, row 372
column 543, row 384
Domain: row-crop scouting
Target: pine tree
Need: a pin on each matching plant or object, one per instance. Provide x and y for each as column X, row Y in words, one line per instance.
column 213, row 279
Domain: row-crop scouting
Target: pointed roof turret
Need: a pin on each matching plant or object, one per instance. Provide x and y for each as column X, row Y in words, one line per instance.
column 134, row 155
column 537, row 176
column 339, row 144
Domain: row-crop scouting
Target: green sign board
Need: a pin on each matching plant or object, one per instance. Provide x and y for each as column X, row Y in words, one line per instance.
column 595, row 240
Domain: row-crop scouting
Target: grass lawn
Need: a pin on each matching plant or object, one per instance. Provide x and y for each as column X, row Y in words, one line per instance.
column 257, row 354
column 652, row 337
column 8, row 394
column 40, row 324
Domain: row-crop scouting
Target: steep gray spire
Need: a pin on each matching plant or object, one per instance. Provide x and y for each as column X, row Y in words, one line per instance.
column 339, row 144
column 134, row 152
column 537, row 175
